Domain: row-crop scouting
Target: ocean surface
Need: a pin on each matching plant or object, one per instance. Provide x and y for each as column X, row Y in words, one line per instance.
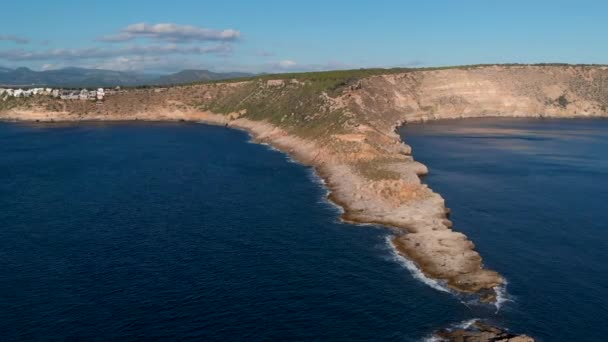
column 185, row 231
column 533, row 196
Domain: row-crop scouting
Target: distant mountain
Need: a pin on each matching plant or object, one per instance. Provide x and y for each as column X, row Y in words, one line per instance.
column 80, row 77
column 72, row 77
column 191, row 76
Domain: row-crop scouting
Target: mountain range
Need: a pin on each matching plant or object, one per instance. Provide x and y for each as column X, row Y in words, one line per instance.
column 81, row 77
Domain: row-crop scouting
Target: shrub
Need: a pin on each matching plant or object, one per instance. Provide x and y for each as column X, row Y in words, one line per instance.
column 562, row 101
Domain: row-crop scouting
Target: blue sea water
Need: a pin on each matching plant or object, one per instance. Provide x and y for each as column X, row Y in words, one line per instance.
column 533, row 196
column 188, row 232
column 144, row 231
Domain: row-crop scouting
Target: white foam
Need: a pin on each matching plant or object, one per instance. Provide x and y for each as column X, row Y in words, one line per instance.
column 465, row 324
column 414, row 270
column 269, row 146
column 314, row 177
column 501, row 292
column 502, row 296
column 272, row 148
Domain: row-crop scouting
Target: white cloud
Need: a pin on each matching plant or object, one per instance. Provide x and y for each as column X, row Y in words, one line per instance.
column 159, row 64
column 172, row 33
column 161, row 47
column 286, row 64
column 281, row 66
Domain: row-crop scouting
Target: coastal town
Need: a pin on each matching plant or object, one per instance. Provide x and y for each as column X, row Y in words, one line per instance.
column 64, row 94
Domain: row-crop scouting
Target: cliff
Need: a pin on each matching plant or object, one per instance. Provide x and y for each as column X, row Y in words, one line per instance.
column 343, row 124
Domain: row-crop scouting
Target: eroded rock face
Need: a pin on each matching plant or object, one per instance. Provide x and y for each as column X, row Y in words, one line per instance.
column 480, row 332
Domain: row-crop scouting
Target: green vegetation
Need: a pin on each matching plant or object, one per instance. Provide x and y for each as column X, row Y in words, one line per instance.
column 9, row 102
column 301, row 104
column 301, row 101
column 562, row 101
column 356, row 74
column 376, row 169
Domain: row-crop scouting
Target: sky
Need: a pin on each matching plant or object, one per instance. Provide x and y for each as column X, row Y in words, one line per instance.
column 284, row 36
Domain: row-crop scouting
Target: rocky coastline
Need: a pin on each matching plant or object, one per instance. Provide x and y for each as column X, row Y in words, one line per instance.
column 478, row 331
column 437, row 250
column 351, row 142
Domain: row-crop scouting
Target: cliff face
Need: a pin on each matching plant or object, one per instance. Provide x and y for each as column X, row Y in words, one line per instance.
column 345, row 127
column 488, row 91
column 388, row 190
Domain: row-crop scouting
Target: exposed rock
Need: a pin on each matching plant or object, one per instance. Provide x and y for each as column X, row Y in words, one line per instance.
column 481, row 332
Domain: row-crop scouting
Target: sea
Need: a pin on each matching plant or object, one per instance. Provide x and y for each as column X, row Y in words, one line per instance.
column 183, row 231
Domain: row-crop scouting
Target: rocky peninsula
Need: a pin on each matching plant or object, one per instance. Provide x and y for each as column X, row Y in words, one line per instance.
column 343, row 124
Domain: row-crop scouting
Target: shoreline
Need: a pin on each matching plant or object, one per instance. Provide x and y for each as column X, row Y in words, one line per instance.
column 292, row 147
column 276, row 139
column 487, row 284
column 345, row 129
column 473, row 330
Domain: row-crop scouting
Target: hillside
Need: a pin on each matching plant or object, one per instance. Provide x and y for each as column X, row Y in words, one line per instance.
column 71, row 77
column 343, row 123
column 192, row 76
column 80, row 77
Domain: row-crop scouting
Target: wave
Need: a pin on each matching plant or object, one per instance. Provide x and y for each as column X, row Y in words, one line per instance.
column 272, row 148
column 414, row 270
column 501, row 292
column 269, row 146
column 502, row 296
column 464, row 325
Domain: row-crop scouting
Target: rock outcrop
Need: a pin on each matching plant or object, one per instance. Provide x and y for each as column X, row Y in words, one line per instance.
column 480, row 332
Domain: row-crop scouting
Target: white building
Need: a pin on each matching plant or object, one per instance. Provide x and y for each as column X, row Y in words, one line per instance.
column 100, row 94
column 69, row 95
column 84, row 94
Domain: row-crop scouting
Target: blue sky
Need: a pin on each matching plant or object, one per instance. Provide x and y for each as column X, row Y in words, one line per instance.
column 276, row 36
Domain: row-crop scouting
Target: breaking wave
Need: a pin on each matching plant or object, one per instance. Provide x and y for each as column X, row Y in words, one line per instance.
column 464, row 325
column 502, row 296
column 501, row 292
column 414, row 270
column 316, row 179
